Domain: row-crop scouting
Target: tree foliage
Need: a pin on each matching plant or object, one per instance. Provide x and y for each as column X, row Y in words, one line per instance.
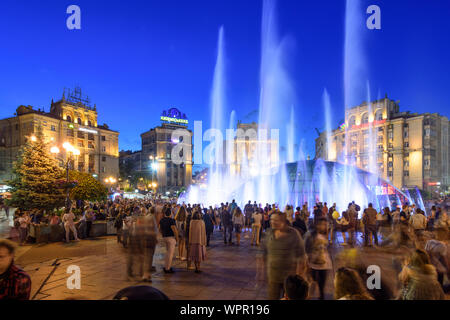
column 88, row 188
column 36, row 172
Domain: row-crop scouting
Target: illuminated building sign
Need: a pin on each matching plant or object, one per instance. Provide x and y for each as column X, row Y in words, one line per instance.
column 374, row 123
column 88, row 130
column 173, row 115
column 383, row 190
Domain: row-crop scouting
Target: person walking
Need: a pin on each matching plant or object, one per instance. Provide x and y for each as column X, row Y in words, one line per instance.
column 68, row 220
column 24, row 222
column 210, row 222
column 284, row 254
column 369, row 220
column 118, row 224
column 149, row 243
column 248, row 212
column 168, row 229
column 256, row 227
column 197, row 241
column 180, row 219
column 319, row 261
column 227, row 221
column 238, row 222
column 135, row 251
column 126, row 227
column 418, row 222
column 89, row 215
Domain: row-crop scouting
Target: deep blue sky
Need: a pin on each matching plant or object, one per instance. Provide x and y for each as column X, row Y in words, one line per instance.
column 136, row 58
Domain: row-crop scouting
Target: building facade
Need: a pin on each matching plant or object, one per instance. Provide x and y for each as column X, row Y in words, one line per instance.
column 156, row 155
column 409, row 150
column 71, row 120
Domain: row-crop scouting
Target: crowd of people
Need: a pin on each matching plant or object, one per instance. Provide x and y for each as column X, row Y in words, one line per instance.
column 295, row 248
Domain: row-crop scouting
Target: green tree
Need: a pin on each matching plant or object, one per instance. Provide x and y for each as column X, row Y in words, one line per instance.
column 36, row 173
column 88, row 188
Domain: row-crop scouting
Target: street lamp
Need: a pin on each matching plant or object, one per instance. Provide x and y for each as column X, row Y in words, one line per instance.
column 154, row 168
column 70, row 150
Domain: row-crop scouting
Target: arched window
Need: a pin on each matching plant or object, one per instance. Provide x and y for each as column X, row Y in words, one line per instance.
column 79, row 121
column 89, row 123
column 68, row 118
column 378, row 115
column 365, row 118
column 352, row 121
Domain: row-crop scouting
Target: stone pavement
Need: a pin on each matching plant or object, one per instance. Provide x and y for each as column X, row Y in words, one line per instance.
column 228, row 273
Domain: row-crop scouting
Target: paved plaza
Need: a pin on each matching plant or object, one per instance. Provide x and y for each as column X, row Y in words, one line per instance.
column 229, row 273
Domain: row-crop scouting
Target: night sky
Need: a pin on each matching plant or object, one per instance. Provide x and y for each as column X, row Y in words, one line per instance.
column 137, row 58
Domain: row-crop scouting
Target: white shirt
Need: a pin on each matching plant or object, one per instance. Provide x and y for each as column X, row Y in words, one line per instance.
column 257, row 218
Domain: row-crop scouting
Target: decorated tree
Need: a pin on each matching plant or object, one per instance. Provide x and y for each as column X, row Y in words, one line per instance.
column 36, row 174
column 87, row 187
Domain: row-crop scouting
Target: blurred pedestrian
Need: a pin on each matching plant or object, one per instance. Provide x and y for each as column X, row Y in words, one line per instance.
column 348, row 285
column 15, row 284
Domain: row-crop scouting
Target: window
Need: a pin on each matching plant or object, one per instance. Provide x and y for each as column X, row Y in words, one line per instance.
column 378, row 115
column 103, row 138
column 70, row 132
column 89, row 123
column 390, row 146
column 80, row 144
column 90, row 145
column 406, row 133
column 390, row 174
column 365, row 118
column 80, row 134
column 390, row 164
column 406, row 173
column 69, row 119
column 53, row 128
column 352, row 121
column 406, row 144
column 103, row 169
column 103, row 159
column 406, row 164
column 103, row 149
column 90, row 136
column 79, row 121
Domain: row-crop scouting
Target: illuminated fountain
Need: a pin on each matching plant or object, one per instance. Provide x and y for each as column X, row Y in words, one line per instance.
column 289, row 177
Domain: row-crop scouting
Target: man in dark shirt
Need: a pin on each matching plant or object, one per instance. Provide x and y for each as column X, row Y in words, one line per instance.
column 168, row 229
column 14, row 282
column 227, row 221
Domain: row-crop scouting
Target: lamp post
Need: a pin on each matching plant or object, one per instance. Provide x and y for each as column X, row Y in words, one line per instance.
column 70, row 151
column 110, row 181
column 154, row 168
